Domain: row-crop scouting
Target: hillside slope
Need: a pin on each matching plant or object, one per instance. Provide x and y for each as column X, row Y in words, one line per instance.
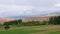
column 2, row 20
column 39, row 18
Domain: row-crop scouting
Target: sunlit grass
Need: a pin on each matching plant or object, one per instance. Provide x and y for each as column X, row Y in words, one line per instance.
column 42, row 29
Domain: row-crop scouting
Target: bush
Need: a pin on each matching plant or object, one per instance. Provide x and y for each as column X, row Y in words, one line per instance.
column 7, row 27
column 44, row 22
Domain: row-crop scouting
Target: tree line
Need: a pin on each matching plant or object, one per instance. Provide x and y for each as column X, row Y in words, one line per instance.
column 53, row 20
column 19, row 23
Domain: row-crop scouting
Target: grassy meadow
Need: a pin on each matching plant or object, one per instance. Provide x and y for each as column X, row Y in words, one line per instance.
column 42, row 29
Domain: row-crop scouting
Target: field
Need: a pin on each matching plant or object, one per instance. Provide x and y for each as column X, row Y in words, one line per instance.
column 42, row 29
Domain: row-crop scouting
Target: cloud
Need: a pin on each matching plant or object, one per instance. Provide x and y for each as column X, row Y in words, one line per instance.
column 13, row 10
column 7, row 2
column 57, row 5
column 28, row 7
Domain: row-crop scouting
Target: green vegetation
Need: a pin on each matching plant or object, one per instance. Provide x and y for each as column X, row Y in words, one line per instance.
column 54, row 20
column 7, row 27
column 42, row 29
column 58, row 32
column 19, row 31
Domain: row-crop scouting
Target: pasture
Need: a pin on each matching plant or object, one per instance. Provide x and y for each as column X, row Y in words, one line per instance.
column 42, row 29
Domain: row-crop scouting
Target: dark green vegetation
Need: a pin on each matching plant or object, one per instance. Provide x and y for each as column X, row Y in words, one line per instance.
column 15, row 22
column 55, row 20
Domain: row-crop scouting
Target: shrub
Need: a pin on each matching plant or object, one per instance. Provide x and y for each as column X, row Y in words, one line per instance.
column 44, row 22
column 7, row 27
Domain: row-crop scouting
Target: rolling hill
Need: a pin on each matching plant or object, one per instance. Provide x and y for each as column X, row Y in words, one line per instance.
column 2, row 20
column 39, row 18
column 28, row 19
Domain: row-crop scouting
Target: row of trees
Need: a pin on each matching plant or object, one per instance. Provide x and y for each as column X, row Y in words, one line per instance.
column 20, row 23
column 53, row 20
column 15, row 22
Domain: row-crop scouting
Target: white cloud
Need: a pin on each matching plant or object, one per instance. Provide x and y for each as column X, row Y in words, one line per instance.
column 57, row 5
column 27, row 7
column 13, row 10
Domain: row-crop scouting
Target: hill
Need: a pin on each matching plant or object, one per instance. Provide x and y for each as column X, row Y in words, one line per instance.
column 28, row 19
column 2, row 20
column 39, row 18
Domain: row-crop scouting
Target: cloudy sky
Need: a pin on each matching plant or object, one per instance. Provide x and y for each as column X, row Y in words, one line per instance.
column 28, row 7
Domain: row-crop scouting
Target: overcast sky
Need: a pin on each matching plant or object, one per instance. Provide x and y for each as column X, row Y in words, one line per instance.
column 28, row 7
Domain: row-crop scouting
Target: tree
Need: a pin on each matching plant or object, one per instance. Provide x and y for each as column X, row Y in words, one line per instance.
column 44, row 22
column 6, row 23
column 54, row 20
column 7, row 27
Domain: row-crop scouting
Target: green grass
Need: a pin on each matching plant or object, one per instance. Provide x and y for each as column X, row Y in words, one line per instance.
column 20, row 31
column 42, row 29
column 58, row 32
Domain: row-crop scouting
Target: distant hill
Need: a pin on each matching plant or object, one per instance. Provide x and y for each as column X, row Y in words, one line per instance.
column 27, row 19
column 39, row 18
column 2, row 20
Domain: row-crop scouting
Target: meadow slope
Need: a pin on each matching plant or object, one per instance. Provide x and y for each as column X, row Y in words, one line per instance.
column 42, row 29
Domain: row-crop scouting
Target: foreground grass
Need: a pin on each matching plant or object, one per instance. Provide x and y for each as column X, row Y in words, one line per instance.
column 57, row 32
column 42, row 29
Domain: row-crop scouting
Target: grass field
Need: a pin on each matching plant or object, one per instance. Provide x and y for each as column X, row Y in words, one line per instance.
column 42, row 29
